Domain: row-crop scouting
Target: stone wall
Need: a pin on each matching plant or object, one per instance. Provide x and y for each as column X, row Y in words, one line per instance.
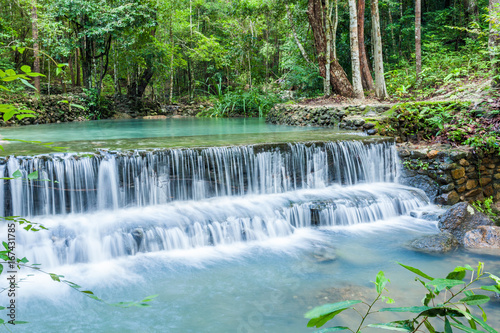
column 451, row 175
column 367, row 118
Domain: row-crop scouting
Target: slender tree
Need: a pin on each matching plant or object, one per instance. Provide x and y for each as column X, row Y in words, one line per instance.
column 366, row 76
column 494, row 41
column 328, row 31
column 36, row 47
column 380, row 87
column 353, row 32
column 418, row 36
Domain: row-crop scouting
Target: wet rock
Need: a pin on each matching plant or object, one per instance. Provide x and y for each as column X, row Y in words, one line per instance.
column 325, row 254
column 461, row 218
column 372, row 131
column 369, row 125
column 138, row 235
column 423, row 182
column 438, row 243
column 483, row 237
column 448, row 199
column 447, row 188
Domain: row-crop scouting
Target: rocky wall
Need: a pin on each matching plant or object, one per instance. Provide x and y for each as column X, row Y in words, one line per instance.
column 367, row 118
column 451, row 175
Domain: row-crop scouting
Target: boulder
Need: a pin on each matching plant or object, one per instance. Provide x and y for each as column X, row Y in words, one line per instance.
column 423, row 182
column 438, row 243
column 483, row 237
column 461, row 218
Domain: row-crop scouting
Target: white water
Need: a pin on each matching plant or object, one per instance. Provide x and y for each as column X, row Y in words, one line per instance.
column 232, row 239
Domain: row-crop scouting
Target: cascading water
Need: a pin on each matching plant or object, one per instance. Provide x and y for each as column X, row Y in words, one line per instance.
column 114, row 204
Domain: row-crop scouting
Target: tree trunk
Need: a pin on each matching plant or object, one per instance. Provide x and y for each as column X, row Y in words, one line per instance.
column 328, row 31
column 334, row 32
column 418, row 37
column 494, row 42
column 380, row 87
column 339, row 82
column 366, row 76
column 77, row 65
column 36, row 48
column 353, row 32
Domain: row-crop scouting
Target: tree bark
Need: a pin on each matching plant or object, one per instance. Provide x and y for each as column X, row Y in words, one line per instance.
column 36, row 47
column 494, row 42
column 418, row 37
column 380, row 87
column 366, row 76
column 353, row 32
column 328, row 31
column 339, row 82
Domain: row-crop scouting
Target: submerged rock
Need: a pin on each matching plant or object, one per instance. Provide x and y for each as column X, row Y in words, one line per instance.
column 462, row 218
column 483, row 237
column 439, row 243
column 325, row 254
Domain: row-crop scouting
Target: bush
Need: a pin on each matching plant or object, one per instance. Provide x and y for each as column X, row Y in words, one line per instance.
column 448, row 299
column 248, row 103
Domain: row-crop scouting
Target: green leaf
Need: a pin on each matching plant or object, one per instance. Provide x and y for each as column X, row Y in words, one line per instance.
column 394, row 326
column 380, row 282
column 465, row 328
column 416, row 271
column 475, row 299
column 495, row 289
column 19, row 322
column 87, row 292
column 26, row 83
column 329, row 308
column 412, row 309
column 26, row 69
column 447, row 326
column 478, row 320
column 17, row 174
column 322, row 320
column 21, row 49
column 1, row 268
column 55, row 277
column 6, row 246
column 441, row 284
column 77, row 106
column 33, row 175
column 23, row 260
column 331, row 329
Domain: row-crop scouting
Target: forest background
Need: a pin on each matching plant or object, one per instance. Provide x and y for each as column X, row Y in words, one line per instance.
column 257, row 51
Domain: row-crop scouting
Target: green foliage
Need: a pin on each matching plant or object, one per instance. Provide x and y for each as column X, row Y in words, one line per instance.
column 416, row 165
column 485, row 206
column 449, row 122
column 250, row 103
column 449, row 299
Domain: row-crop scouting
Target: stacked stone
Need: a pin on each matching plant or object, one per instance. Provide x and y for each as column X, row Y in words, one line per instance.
column 345, row 117
column 459, row 175
column 300, row 115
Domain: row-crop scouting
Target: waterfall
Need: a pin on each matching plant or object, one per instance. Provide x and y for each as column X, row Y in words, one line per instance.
column 111, row 181
column 110, row 205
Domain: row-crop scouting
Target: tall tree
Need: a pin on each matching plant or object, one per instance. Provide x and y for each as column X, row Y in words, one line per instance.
column 380, row 87
column 338, row 78
column 328, row 28
column 353, row 32
column 494, row 41
column 36, row 47
column 418, row 37
column 366, row 76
